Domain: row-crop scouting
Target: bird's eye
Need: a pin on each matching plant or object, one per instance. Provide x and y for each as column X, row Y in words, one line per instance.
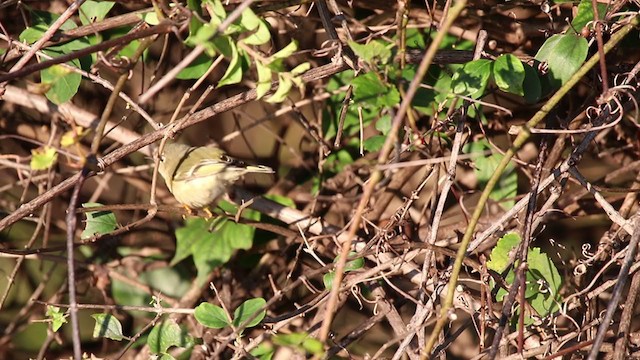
column 162, row 158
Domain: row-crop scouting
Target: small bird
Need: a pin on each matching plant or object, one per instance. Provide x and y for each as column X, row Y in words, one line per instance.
column 199, row 176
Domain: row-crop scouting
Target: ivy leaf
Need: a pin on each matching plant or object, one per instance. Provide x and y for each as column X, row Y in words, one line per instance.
column 300, row 341
column 507, row 187
column 166, row 335
column 63, row 82
column 499, row 258
column 57, row 317
column 98, row 222
column 107, row 326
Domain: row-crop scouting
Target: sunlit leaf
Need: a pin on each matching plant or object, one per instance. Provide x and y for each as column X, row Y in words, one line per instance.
column 56, row 316
column 509, row 74
column 93, row 11
column 107, row 326
column 264, row 79
column 166, row 335
column 472, row 79
column 284, row 87
column 247, row 309
column 98, row 222
column 371, row 52
column 211, row 316
column 564, row 54
column 43, row 158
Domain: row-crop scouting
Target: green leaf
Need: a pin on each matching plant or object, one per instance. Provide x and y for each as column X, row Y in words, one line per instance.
column 585, row 14
column 327, row 279
column 384, row 124
column 43, row 158
column 56, row 316
column 98, row 222
column 107, row 326
column 299, row 341
column 260, row 36
column 233, row 75
column 202, row 37
column 94, row 11
column 374, row 51
column 167, row 334
column 212, row 248
column 284, row 87
column 247, row 309
column 543, row 281
column 194, row 23
column 564, row 54
column 499, row 258
column 374, row 143
column 196, row 69
column 282, row 200
column 40, row 23
column 509, row 74
column 531, row 85
column 264, row 80
column 369, row 90
column 251, row 22
column 211, row 316
column 337, row 161
column 471, row 79
column 301, row 69
column 414, row 38
column 354, row 264
column 542, row 268
column 263, row 351
column 150, row 18
column 507, row 187
column 193, row 231
column 218, row 14
column 312, row 346
column 63, row 83
column 285, row 52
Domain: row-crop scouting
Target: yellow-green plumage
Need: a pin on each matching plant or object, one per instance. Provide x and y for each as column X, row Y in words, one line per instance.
column 199, row 176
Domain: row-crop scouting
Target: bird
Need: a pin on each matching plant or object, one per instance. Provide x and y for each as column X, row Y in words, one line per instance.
column 198, row 176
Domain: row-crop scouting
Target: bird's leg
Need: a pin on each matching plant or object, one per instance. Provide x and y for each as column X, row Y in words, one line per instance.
column 189, row 210
column 208, row 213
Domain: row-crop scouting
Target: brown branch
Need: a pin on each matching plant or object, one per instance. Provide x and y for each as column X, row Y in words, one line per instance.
column 164, row 27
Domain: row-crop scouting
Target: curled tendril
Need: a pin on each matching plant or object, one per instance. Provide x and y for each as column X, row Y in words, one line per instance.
column 585, row 251
column 592, row 112
column 579, row 270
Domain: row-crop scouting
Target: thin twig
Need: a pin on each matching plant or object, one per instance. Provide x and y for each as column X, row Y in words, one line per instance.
column 376, row 176
column 517, row 143
column 623, row 275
